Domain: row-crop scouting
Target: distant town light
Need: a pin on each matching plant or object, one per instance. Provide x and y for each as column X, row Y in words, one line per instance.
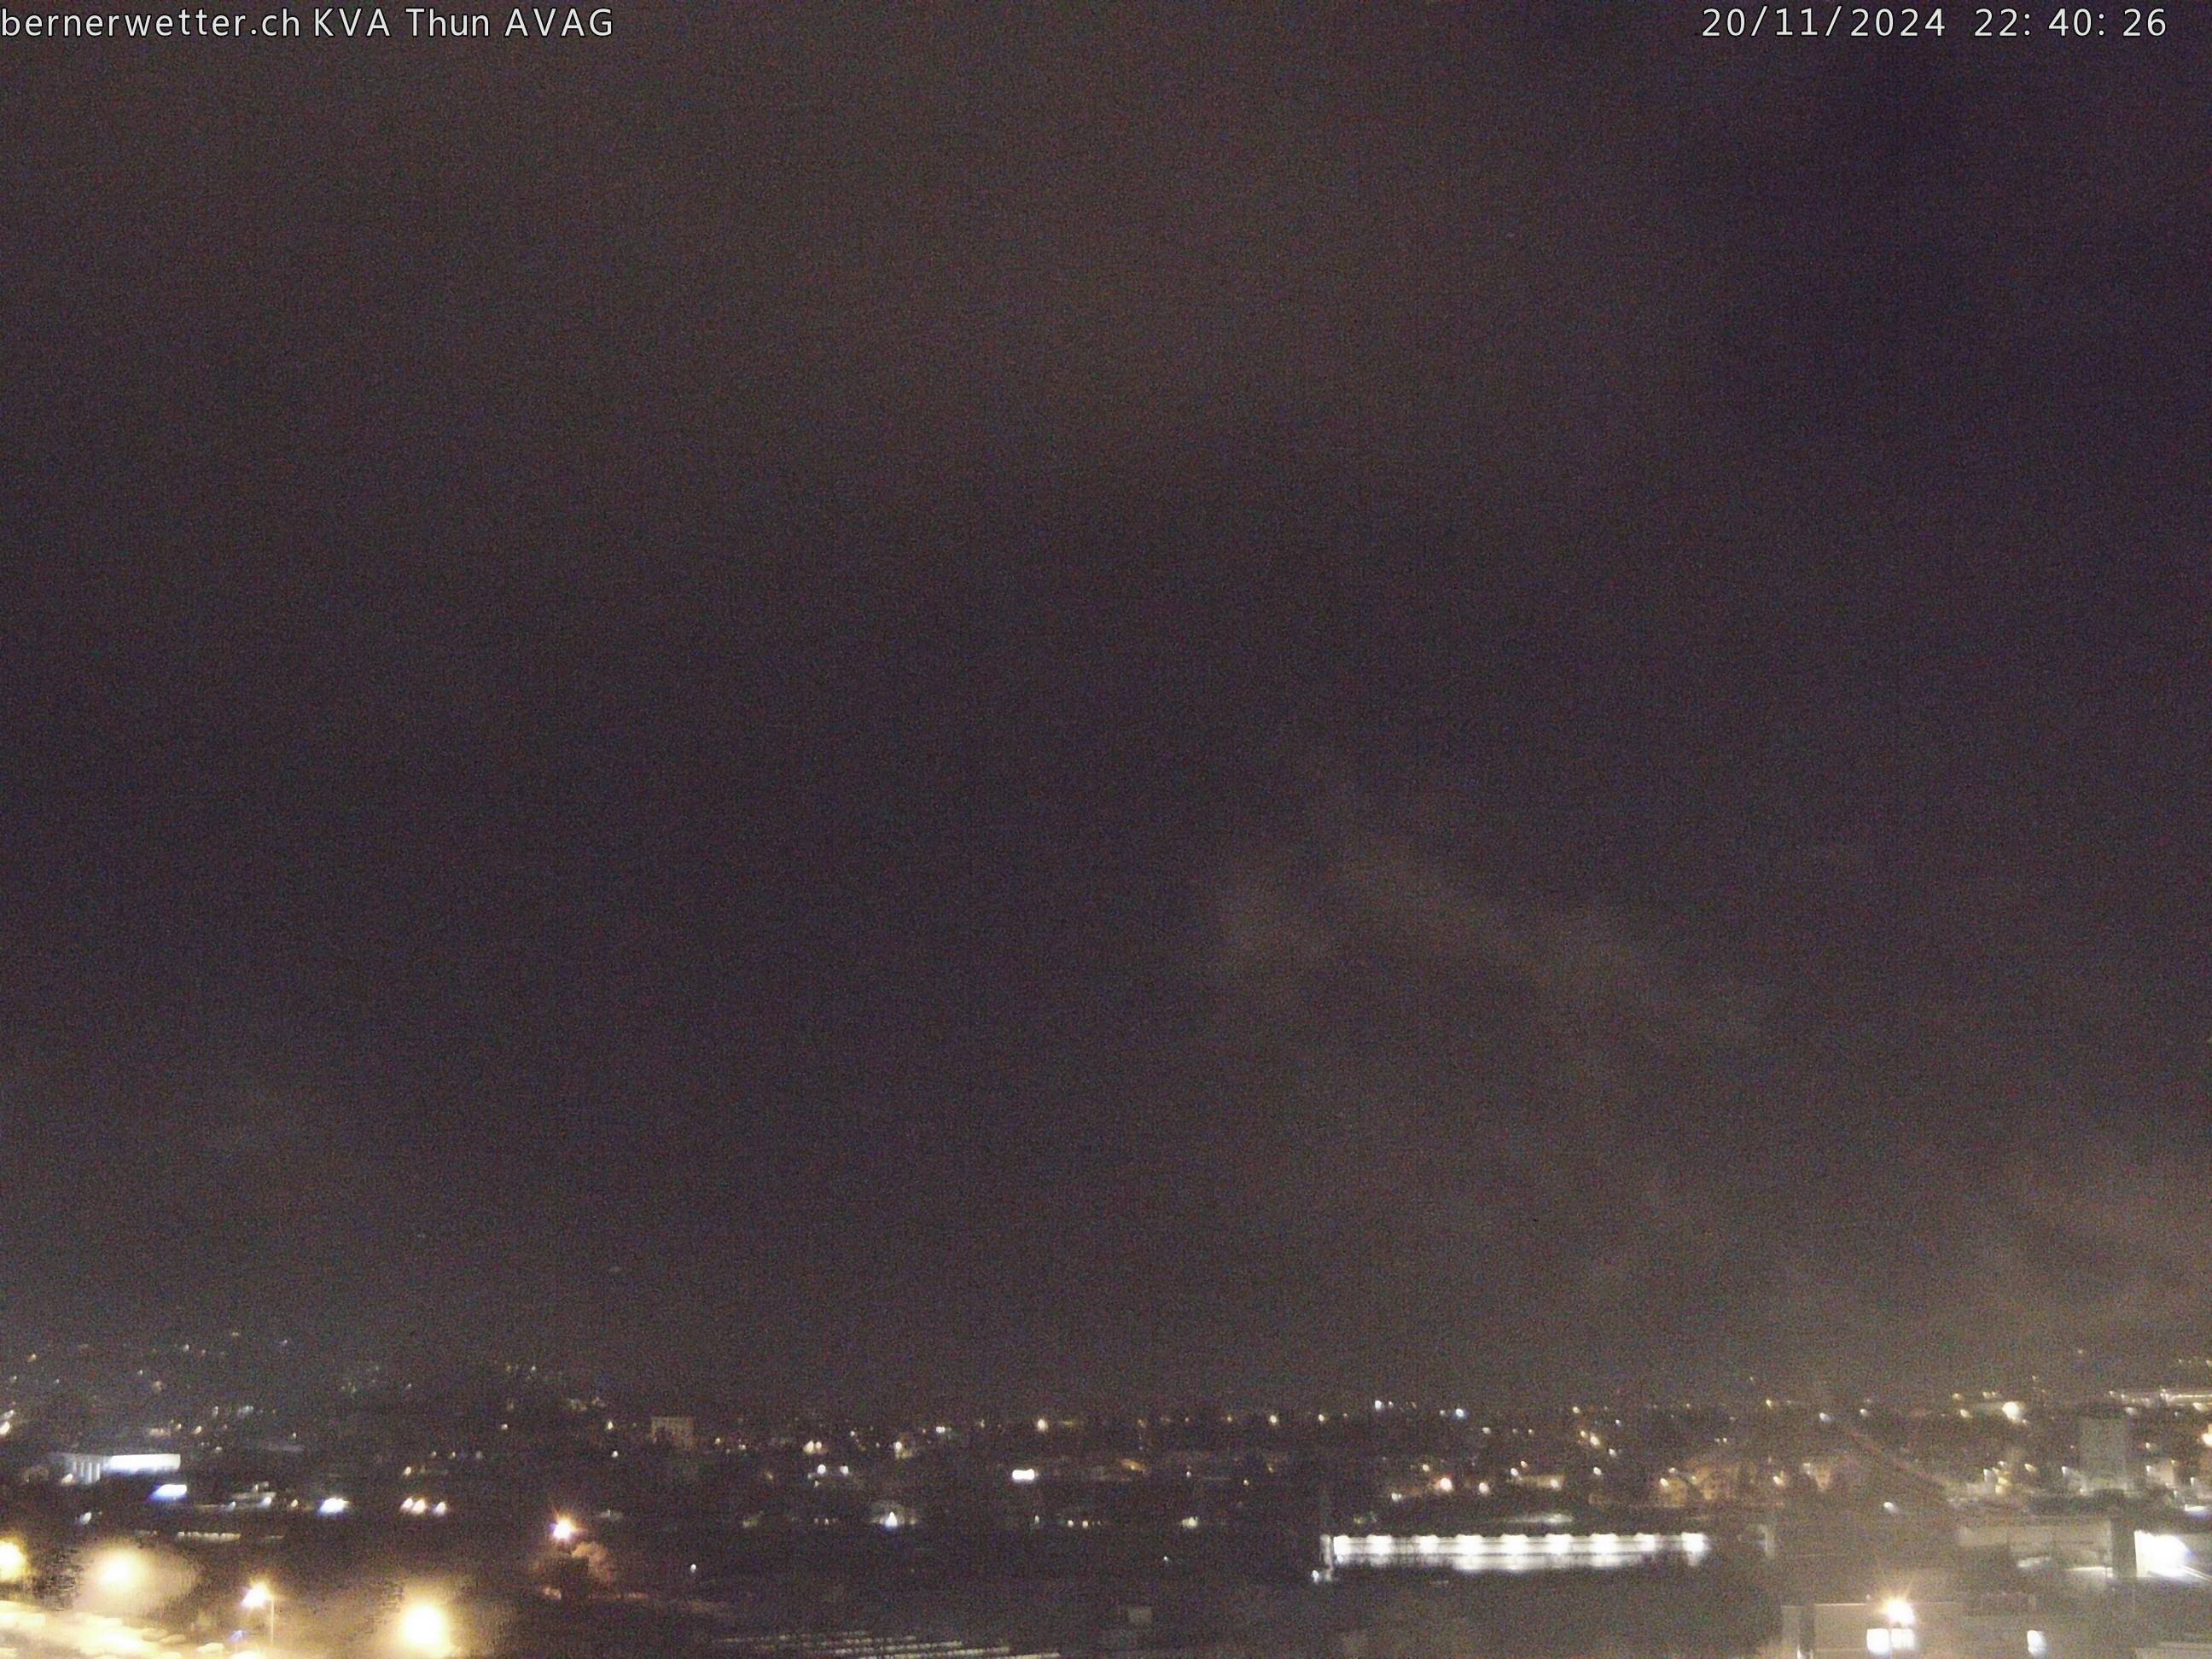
column 334, row 1505
column 1022, row 1477
column 169, row 1491
column 15, row 1563
column 565, row 1530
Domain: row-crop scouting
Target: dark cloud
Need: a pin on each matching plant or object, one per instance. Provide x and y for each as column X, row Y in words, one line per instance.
column 1007, row 700
column 1527, row 1114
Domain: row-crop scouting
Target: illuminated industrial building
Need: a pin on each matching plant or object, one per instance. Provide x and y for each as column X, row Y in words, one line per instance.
column 1904, row 1626
column 82, row 1468
column 1514, row 1551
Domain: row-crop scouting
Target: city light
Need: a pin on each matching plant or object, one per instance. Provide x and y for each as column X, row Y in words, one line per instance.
column 565, row 1531
column 1895, row 1634
column 119, row 1571
column 1510, row 1552
column 141, row 1463
column 2164, row 1555
column 260, row 1598
column 426, row 1630
column 15, row 1563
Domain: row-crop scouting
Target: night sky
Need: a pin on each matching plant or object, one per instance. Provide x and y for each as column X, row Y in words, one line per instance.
column 1077, row 703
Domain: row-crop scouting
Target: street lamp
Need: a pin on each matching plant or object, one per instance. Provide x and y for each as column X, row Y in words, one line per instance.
column 259, row 1598
column 1897, row 1634
column 120, row 1571
column 426, row 1630
column 565, row 1530
column 15, row 1563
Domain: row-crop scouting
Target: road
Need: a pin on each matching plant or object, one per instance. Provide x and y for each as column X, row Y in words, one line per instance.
column 32, row 1632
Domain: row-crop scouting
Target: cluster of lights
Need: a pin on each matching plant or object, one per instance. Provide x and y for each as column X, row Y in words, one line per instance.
column 424, row 1506
column 1516, row 1552
column 424, row 1628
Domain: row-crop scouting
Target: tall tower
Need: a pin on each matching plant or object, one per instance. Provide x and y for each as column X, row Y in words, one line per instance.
column 2109, row 1463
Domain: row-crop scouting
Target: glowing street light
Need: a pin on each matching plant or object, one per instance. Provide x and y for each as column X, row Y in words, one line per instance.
column 565, row 1530
column 259, row 1598
column 1896, row 1634
column 120, row 1571
column 426, row 1630
column 15, row 1563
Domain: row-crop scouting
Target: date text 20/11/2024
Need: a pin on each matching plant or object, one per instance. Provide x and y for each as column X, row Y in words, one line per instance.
column 1930, row 22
